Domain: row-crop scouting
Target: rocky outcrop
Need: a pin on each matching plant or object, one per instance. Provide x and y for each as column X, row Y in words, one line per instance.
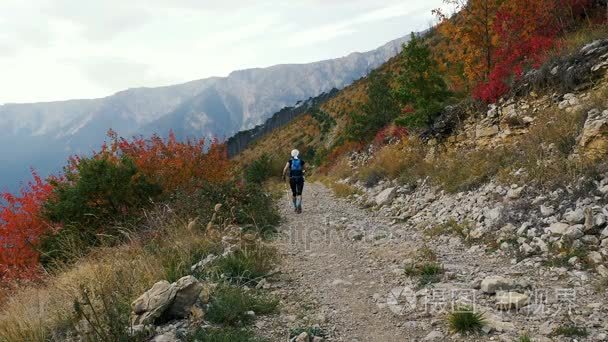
column 569, row 73
column 166, row 300
column 594, row 138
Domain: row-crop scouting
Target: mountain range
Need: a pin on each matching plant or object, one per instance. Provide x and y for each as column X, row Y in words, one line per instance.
column 41, row 135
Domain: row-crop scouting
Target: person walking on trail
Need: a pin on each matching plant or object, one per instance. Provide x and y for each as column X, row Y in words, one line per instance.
column 295, row 166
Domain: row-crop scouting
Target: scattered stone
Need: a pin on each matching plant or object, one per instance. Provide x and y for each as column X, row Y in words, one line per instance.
column 515, row 193
column 595, row 257
column 492, row 284
column 303, row 337
column 386, row 196
column 574, row 232
column 558, row 228
column 166, row 337
column 434, row 335
column 495, row 323
column 546, row 211
column 602, row 271
column 575, row 216
column 482, row 131
column 510, row 300
column 201, row 264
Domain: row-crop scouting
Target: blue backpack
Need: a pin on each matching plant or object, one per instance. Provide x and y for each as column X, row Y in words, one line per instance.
column 296, row 168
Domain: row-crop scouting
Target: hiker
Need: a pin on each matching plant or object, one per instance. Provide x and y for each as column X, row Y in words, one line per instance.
column 295, row 165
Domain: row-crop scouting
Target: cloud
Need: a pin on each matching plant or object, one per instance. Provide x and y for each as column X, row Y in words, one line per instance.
column 114, row 73
column 352, row 25
column 100, row 20
column 60, row 49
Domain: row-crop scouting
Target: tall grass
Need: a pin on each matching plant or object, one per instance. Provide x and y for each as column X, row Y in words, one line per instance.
column 112, row 278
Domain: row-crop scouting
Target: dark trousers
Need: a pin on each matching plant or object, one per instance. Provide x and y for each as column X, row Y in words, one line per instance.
column 297, row 185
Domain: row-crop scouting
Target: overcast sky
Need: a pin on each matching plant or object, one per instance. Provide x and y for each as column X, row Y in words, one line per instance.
column 64, row 49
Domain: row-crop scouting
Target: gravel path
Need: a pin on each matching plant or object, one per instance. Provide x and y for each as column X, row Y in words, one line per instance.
column 335, row 273
column 342, row 270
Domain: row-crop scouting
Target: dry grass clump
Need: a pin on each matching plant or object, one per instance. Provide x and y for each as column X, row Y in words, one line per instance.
column 341, row 190
column 404, row 161
column 461, row 170
column 344, row 190
column 341, row 169
column 575, row 40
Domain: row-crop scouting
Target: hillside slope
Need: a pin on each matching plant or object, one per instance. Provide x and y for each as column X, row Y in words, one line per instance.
column 503, row 208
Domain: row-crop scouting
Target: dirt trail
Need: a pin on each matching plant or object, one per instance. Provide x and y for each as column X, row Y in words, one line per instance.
column 329, row 276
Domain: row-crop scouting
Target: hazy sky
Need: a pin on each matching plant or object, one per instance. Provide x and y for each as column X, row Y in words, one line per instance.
column 64, row 49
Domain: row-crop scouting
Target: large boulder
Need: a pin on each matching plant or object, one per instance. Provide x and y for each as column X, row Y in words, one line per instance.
column 153, row 303
column 187, row 290
column 386, row 196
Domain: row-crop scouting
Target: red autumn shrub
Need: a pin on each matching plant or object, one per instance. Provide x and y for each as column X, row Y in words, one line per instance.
column 526, row 32
column 21, row 226
column 389, row 133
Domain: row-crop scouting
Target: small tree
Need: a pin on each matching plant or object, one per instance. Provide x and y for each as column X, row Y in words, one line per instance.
column 260, row 170
column 381, row 109
column 421, row 85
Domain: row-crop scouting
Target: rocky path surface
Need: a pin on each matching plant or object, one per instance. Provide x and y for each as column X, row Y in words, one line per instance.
column 342, row 272
column 334, row 276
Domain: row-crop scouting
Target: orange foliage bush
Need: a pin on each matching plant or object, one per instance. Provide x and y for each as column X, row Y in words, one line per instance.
column 173, row 164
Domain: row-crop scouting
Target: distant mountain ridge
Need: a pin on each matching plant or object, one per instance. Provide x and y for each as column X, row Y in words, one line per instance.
column 41, row 135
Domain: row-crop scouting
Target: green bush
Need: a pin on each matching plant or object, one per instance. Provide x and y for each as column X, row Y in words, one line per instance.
column 464, row 320
column 325, row 121
column 525, row 338
column 97, row 197
column 230, row 305
column 246, row 266
column 100, row 191
column 247, row 205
